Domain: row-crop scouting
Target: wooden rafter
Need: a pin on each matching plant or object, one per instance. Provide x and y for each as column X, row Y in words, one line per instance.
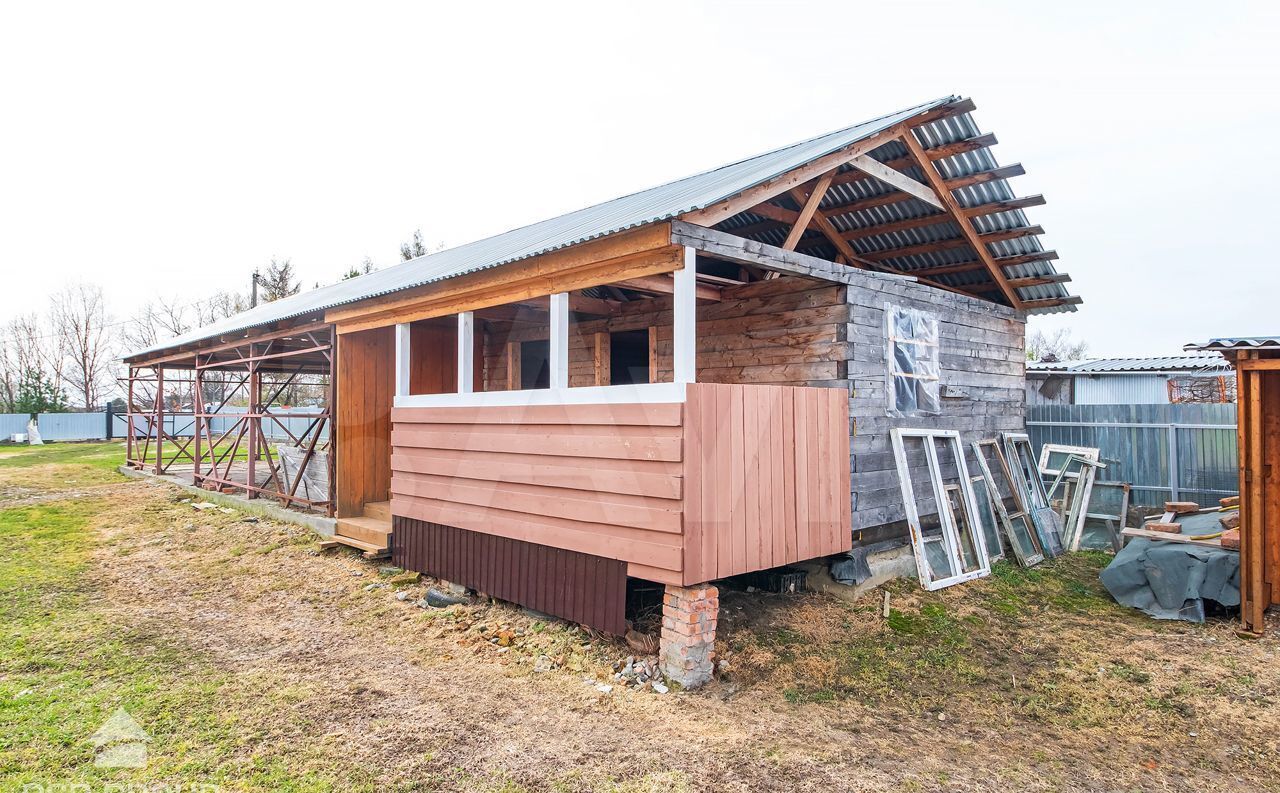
column 828, row 230
column 1040, row 280
column 949, row 244
column 709, row 216
column 1003, row 206
column 966, row 224
column 1002, row 262
column 982, row 177
column 666, row 285
column 898, row 225
column 807, row 210
column 897, row 180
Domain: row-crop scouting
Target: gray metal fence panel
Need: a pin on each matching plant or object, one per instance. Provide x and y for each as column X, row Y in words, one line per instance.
column 72, row 426
column 11, row 423
column 1168, row 452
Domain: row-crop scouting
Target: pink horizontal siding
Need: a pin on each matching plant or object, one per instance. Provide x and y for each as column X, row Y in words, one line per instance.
column 739, row 478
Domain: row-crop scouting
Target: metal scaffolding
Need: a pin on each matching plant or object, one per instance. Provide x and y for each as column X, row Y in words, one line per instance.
column 216, row 413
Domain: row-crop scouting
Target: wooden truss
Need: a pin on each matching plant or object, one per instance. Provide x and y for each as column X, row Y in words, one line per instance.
column 812, row 224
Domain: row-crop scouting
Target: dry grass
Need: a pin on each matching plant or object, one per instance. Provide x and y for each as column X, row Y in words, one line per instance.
column 258, row 663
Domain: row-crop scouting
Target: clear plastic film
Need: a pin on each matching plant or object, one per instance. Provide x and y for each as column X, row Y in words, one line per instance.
column 913, row 386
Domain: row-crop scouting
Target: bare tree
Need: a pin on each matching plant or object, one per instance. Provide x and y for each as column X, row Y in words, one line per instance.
column 30, row 350
column 1057, row 346
column 80, row 320
column 367, row 266
column 220, row 306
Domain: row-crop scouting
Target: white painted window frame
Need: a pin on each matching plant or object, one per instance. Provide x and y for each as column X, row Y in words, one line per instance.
column 950, row 533
column 684, row 360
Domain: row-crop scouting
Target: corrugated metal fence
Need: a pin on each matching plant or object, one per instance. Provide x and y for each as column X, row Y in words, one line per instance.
column 11, row 423
column 1167, row 452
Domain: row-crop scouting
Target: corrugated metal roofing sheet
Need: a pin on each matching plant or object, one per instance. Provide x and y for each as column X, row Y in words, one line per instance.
column 1238, row 343
column 671, row 200
column 1171, row 363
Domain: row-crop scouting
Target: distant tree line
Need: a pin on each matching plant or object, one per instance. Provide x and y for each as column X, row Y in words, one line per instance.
column 67, row 356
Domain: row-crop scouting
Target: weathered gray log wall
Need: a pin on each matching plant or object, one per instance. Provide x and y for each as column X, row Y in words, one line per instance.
column 982, row 359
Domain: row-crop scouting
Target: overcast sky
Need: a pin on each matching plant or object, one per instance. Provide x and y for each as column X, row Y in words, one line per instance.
column 170, row 148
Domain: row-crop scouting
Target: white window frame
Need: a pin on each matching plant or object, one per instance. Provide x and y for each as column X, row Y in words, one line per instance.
column 684, row 360
column 950, row 534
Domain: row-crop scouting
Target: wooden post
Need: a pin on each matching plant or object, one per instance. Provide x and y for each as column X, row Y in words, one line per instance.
column 684, row 309
column 402, row 359
column 513, row 366
column 466, row 352
column 602, row 358
column 653, row 353
column 1254, row 603
column 559, row 342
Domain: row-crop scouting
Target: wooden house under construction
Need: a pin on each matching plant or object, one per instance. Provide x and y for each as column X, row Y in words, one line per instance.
column 687, row 383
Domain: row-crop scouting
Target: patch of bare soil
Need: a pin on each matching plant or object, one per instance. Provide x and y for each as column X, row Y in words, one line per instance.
column 820, row 695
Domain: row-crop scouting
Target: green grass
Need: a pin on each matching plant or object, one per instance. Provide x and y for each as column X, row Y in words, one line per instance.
column 67, row 663
column 106, row 455
column 935, row 645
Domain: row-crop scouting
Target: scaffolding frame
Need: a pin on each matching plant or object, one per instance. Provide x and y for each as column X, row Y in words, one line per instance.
column 255, row 371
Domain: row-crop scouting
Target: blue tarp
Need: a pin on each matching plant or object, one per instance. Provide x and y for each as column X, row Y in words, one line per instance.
column 1172, row 580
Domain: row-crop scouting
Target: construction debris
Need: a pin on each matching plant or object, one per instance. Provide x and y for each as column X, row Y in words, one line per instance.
column 1231, row 539
column 1230, row 501
column 1231, row 521
column 1159, row 525
column 1181, row 507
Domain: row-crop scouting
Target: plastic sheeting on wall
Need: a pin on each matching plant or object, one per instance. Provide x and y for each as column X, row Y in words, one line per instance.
column 914, row 386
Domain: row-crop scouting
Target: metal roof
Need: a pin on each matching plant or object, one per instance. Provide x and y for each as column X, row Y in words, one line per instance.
column 1238, row 343
column 658, row 204
column 1172, row 363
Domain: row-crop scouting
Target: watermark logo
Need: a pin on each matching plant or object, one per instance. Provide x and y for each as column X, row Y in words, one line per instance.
column 120, row 742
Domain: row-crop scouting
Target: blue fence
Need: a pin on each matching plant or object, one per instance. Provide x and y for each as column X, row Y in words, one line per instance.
column 1167, row 452
column 93, row 426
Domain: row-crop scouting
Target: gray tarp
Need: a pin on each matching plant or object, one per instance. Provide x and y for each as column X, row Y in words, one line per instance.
column 1171, row 580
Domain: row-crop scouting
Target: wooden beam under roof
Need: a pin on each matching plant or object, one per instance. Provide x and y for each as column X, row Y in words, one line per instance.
column 1039, row 280
column 1003, row 206
column 1050, row 302
column 896, row 180
column 898, row 225
column 936, row 153
column 828, row 230
column 933, row 246
column 711, row 215
column 966, row 225
column 1002, row 262
column 982, row 177
column 666, row 285
column 949, row 244
column 807, row 210
column 1012, row 234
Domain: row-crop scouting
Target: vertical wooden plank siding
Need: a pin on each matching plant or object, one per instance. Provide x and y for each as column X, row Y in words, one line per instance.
column 790, row 448
column 365, row 386
column 734, row 480
column 578, row 587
